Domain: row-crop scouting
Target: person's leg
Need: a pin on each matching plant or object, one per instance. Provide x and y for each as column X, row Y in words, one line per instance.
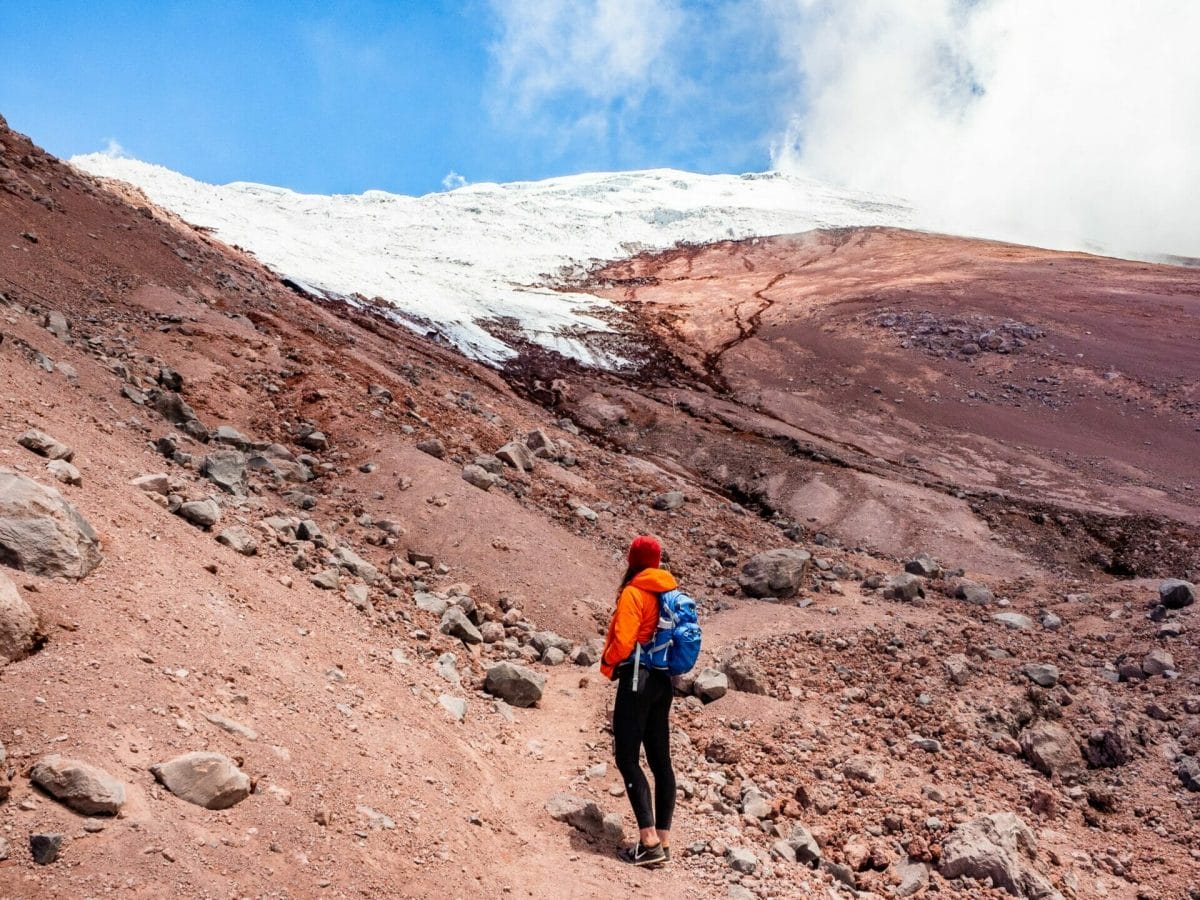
column 657, row 739
column 629, row 725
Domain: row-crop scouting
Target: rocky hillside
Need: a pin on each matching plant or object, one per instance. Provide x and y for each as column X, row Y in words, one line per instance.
column 296, row 603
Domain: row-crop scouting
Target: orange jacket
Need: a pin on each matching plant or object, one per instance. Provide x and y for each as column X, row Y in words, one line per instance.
column 635, row 617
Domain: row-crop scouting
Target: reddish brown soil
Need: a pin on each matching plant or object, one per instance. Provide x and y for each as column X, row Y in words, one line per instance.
column 142, row 649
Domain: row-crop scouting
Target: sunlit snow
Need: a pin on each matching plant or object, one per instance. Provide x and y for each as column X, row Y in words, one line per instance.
column 456, row 261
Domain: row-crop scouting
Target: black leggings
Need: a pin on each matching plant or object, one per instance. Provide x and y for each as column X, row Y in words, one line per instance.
column 641, row 718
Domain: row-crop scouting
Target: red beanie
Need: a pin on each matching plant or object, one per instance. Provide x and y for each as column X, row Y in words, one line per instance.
column 645, row 552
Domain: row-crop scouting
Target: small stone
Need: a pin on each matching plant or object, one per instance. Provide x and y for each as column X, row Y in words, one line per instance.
column 433, row 446
column 1174, row 593
column 239, row 540
column 43, row 445
column 456, row 706
column 202, row 513
column 905, row 587
column 669, row 501
column 1042, row 674
column 1013, row 620
column 211, row 780
column 45, row 847
column 65, row 472
column 456, row 624
column 742, row 859
column 479, row 477
column 710, row 685
column 1158, row 662
column 514, row 684
column 81, row 786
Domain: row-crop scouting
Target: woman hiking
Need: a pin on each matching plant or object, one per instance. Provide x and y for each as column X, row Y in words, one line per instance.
column 642, row 707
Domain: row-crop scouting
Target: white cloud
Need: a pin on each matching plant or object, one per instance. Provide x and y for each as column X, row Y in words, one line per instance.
column 113, row 148
column 453, row 180
column 1062, row 123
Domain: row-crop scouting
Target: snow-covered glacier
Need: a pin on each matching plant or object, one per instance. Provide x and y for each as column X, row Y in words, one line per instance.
column 461, row 260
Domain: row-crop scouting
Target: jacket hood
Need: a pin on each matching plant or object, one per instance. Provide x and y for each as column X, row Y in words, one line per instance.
column 654, row 580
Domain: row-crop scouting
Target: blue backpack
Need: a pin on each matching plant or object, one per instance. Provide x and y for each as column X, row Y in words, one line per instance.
column 675, row 645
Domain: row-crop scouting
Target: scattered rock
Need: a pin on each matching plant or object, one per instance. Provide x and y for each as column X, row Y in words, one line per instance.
column 924, row 565
column 326, row 580
column 227, row 470
column 1175, row 593
column 239, row 540
column 1188, row 770
column 745, row 675
column 19, row 632
column 1000, row 847
column 211, row 780
column 710, row 685
column 1013, row 620
column 1108, row 748
column 804, row 846
column 1158, row 662
column 456, row 706
column 975, row 594
column 669, row 501
column 44, row 445
column 517, row 455
column 201, row 513
column 81, row 786
column 65, row 472
column 911, row 877
column 775, row 573
column 433, row 446
column 581, row 814
column 905, row 587
column 958, row 668
column 514, row 684
column 456, row 624
column 479, row 477
column 153, row 484
column 742, row 859
column 232, row 726
column 1049, row 747
column 1042, row 674
column 45, row 847
column 43, row 534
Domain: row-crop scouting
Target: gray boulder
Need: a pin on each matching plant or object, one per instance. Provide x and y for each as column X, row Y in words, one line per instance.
column 227, row 470
column 1158, row 662
column 1174, row 593
column 64, row 472
column 19, row 634
column 588, row 653
column 83, row 787
column 1188, row 771
column 775, row 573
column 1014, row 620
column 1042, row 674
column 577, row 812
column 998, row 846
column 479, row 477
column 456, row 624
column 517, row 455
column 924, row 565
column 975, row 594
column 669, row 501
column 43, row 445
column 541, row 445
column 905, row 587
column 710, row 685
column 41, row 533
column 433, row 447
column 45, row 846
column 211, row 780
column 804, row 846
column 514, row 684
column 1049, row 747
column 201, row 513
column 239, row 540
column 745, row 675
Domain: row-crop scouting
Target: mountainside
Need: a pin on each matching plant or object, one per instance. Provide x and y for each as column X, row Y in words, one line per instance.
column 300, row 535
column 485, row 257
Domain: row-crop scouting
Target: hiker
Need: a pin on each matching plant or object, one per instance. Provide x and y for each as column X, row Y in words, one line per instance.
column 640, row 716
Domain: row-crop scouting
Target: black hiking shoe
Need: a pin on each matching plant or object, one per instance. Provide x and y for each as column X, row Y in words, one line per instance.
column 639, row 855
column 666, row 853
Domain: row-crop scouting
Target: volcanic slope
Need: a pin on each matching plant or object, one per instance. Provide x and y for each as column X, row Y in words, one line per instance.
column 903, row 390
column 872, row 723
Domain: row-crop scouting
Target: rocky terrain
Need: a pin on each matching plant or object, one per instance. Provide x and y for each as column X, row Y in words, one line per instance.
column 294, row 602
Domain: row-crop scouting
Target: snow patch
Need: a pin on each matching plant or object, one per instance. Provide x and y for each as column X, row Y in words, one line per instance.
column 481, row 253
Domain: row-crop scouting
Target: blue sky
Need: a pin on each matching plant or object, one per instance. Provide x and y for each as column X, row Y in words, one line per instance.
column 341, row 97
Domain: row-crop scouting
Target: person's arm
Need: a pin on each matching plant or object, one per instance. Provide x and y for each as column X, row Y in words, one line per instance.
column 626, row 621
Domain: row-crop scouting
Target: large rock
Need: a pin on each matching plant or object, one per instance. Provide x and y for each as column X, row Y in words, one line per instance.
column 1188, row 770
column 906, row 587
column 775, row 573
column 975, row 594
column 514, row 684
column 456, row 624
column 479, row 477
column 79, row 785
column 201, row 513
column 41, row 533
column 19, row 634
column 1000, row 847
column 227, row 470
column 44, row 445
column 577, row 812
column 745, row 675
column 1049, row 747
column 517, row 455
column 211, row 780
column 1108, row 748
column 710, row 685
column 238, row 539
column 1175, row 593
